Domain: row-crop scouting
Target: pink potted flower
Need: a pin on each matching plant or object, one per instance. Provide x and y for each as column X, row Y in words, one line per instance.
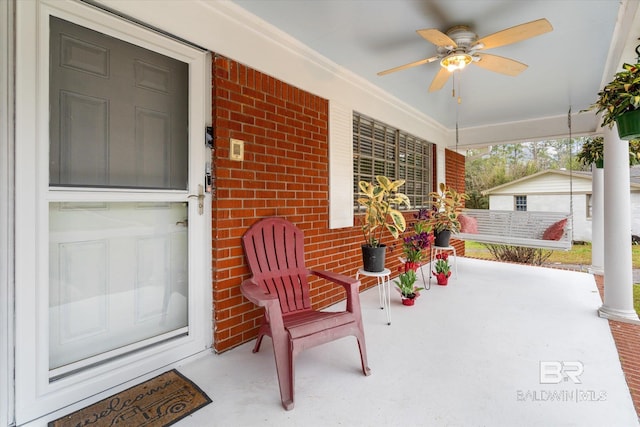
column 416, row 242
column 407, row 288
column 442, row 269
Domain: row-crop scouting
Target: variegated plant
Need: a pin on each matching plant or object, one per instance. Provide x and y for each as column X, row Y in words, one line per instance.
column 592, row 151
column 619, row 96
column 381, row 203
column 447, row 204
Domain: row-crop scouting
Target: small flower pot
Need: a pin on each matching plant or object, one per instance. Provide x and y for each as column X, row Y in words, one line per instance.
column 442, row 279
column 442, row 238
column 408, row 301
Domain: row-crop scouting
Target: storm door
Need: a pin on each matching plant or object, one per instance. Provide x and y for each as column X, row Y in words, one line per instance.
column 117, row 269
column 121, row 273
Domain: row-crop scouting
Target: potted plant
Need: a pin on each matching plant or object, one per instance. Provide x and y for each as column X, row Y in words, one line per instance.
column 414, row 244
column 380, row 202
column 592, row 151
column 442, row 268
column 447, row 204
column 619, row 101
column 407, row 288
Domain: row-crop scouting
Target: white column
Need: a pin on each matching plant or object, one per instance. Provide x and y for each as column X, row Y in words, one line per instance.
column 618, row 279
column 597, row 220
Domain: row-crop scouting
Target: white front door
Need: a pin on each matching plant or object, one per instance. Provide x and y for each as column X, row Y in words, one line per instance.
column 112, row 261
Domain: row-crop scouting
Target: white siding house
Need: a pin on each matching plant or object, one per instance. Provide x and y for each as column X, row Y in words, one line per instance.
column 557, row 191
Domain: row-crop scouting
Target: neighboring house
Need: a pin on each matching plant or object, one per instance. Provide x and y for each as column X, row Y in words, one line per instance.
column 634, row 173
column 560, row 191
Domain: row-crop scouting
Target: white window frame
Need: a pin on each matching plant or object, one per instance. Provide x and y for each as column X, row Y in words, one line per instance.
column 401, row 169
column 516, row 204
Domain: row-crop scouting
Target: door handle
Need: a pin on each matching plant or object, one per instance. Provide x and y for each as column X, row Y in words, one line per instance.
column 200, row 197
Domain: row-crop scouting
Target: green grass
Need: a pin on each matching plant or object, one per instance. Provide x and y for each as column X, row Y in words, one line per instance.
column 636, row 298
column 579, row 254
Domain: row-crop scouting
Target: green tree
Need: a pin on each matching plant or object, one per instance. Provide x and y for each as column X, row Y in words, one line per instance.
column 499, row 164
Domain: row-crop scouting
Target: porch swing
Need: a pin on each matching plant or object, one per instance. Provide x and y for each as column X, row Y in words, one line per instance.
column 533, row 229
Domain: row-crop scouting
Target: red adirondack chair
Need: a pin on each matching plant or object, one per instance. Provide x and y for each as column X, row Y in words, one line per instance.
column 274, row 248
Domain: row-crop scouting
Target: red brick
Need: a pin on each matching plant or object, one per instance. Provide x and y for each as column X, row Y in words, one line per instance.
column 284, row 173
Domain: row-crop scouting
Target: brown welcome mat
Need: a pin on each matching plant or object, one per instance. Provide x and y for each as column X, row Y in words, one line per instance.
column 159, row 402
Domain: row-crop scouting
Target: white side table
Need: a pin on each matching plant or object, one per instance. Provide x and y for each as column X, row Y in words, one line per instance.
column 384, row 292
column 439, row 249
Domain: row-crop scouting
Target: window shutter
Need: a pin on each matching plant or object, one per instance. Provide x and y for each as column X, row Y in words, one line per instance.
column 340, row 166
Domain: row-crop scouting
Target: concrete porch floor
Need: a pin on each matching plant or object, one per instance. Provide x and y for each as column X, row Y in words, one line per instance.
column 467, row 354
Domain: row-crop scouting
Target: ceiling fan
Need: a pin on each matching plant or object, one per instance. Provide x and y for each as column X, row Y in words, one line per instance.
column 460, row 47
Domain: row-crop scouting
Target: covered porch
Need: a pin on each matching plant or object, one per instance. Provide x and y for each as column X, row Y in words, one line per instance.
column 466, row 354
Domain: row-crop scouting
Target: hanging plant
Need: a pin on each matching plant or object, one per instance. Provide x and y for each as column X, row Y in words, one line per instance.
column 619, row 97
column 592, row 151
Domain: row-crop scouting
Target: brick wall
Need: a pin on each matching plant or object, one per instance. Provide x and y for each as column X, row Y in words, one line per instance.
column 454, row 177
column 454, row 174
column 284, row 173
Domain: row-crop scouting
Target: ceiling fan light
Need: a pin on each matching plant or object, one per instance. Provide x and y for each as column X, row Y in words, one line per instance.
column 456, row 61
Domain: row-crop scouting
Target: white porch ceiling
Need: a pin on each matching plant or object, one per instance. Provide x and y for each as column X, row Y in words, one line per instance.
column 566, row 69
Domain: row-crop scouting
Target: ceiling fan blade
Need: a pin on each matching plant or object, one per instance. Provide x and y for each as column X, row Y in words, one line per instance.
column 405, row 66
column 439, row 80
column 515, row 34
column 500, row 64
column 436, row 37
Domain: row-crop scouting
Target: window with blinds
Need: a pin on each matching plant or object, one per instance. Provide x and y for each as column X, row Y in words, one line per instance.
column 379, row 149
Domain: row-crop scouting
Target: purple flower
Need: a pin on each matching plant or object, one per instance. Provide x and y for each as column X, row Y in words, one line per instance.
column 422, row 214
